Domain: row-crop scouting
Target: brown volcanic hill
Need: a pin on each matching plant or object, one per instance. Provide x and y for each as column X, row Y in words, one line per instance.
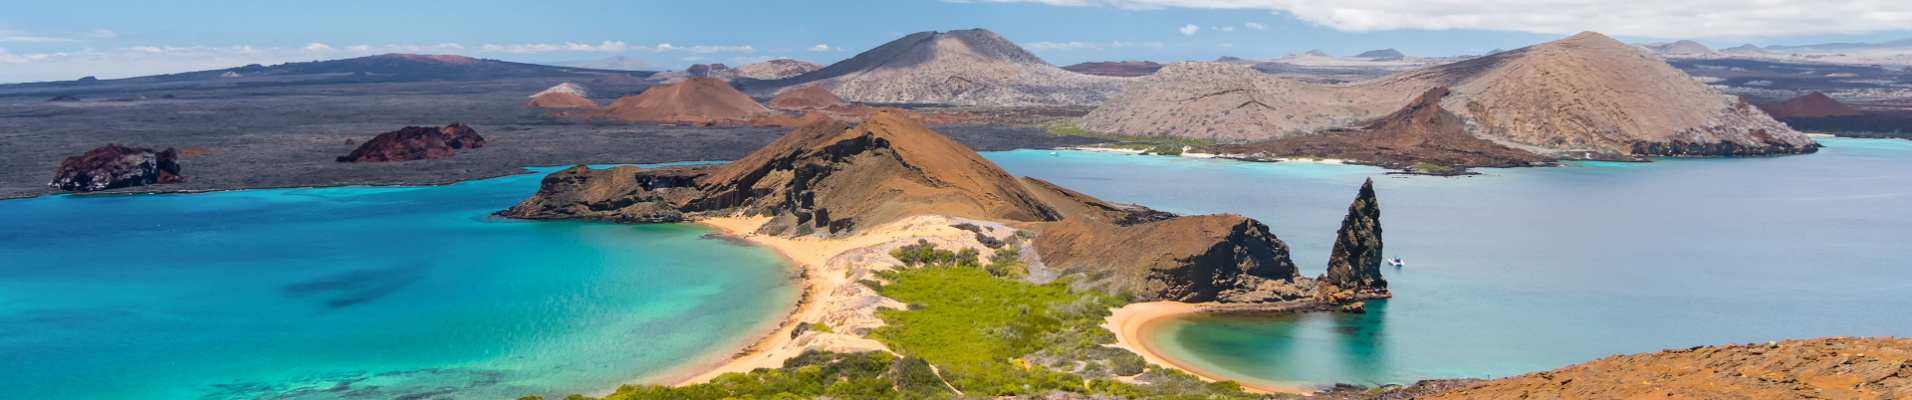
column 1421, row 132
column 829, row 176
column 1826, row 368
column 835, row 180
column 560, row 100
column 1815, row 104
column 416, row 143
column 1116, row 68
column 1587, row 92
column 695, row 100
column 813, row 97
column 972, row 67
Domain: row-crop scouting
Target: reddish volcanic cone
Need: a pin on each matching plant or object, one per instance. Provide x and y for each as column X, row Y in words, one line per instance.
column 1811, row 105
column 810, row 98
column 695, row 100
column 560, row 100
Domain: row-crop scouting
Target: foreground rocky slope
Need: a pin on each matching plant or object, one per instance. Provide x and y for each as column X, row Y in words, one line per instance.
column 416, row 143
column 1421, row 132
column 115, row 166
column 1585, row 93
column 1827, row 368
column 835, row 181
column 972, row 67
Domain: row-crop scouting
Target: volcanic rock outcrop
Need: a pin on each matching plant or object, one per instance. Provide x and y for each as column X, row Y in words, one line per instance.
column 1116, row 68
column 1825, row 368
column 1189, row 259
column 1815, row 104
column 810, row 98
column 416, row 143
column 693, row 101
column 1383, row 54
column 114, row 166
column 1354, row 267
column 704, row 70
column 1421, row 132
column 972, row 67
column 1585, row 93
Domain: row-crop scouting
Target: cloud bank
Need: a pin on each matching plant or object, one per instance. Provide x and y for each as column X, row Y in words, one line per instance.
column 1696, row 19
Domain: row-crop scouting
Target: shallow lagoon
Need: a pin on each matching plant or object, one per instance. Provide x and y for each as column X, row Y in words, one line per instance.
column 360, row 293
column 1538, row 268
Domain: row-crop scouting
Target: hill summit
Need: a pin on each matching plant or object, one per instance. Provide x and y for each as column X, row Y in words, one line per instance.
column 968, row 67
column 1584, row 94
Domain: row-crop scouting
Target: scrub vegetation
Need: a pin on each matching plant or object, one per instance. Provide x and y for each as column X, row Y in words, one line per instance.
column 971, row 330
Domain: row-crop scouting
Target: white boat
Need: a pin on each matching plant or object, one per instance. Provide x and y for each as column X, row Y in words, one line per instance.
column 1396, row 262
column 1054, row 153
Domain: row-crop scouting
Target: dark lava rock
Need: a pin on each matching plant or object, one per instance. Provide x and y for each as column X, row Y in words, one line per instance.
column 1355, row 264
column 1228, row 258
column 704, row 70
column 115, row 166
column 62, row 99
column 416, row 143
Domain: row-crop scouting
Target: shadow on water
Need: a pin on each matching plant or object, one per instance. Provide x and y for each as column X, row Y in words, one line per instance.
column 360, row 286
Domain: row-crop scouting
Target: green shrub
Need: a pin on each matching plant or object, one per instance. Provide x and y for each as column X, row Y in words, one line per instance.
column 805, row 230
column 820, row 327
column 1430, row 167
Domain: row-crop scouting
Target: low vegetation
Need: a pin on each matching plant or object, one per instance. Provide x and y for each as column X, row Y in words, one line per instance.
column 1069, row 128
column 970, row 331
column 1430, row 167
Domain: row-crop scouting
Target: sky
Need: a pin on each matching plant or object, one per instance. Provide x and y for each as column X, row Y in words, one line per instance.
column 69, row 39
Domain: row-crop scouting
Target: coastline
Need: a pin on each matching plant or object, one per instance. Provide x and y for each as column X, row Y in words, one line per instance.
column 1135, row 325
column 830, row 294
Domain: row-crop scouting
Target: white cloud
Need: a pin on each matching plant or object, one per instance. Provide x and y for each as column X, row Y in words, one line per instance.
column 318, row 47
column 1256, row 26
column 1228, row 45
column 22, row 36
column 663, row 47
column 1713, row 19
column 1190, row 29
column 1226, row 29
column 1052, row 46
column 821, row 47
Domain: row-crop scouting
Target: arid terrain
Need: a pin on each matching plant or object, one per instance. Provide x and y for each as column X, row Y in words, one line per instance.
column 287, row 132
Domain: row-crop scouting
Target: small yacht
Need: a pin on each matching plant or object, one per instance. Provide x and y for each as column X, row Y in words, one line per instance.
column 1054, row 153
column 1396, row 262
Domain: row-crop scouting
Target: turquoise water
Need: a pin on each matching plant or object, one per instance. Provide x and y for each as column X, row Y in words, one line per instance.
column 372, row 293
column 1538, row 268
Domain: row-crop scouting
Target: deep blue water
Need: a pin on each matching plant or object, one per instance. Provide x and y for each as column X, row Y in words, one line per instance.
column 359, row 293
column 1538, row 268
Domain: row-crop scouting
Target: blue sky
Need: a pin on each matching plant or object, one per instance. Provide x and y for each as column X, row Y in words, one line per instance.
column 55, row 40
